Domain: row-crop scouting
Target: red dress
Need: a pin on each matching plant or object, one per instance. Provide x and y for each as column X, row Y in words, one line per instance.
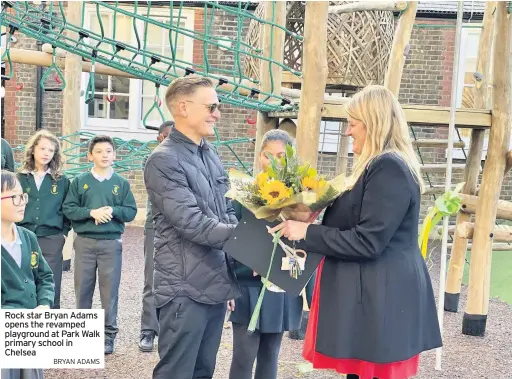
column 365, row 370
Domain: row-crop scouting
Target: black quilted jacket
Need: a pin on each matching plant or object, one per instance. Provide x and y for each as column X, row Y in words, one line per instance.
column 192, row 219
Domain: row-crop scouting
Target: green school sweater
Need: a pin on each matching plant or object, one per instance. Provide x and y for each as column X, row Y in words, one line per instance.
column 32, row 284
column 43, row 213
column 87, row 193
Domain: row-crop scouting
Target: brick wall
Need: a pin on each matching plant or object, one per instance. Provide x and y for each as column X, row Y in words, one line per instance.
column 426, row 80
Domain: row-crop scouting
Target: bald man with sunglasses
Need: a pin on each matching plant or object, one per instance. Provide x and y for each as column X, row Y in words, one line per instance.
column 194, row 279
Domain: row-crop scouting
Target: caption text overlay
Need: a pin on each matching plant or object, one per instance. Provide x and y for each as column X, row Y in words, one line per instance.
column 63, row 338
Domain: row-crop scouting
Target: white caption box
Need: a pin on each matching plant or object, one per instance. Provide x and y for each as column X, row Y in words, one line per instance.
column 60, row 338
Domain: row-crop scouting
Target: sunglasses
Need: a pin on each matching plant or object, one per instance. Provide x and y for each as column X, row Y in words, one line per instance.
column 17, row 199
column 211, row 107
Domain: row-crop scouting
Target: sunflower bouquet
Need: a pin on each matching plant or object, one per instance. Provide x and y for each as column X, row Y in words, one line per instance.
column 285, row 184
column 284, row 188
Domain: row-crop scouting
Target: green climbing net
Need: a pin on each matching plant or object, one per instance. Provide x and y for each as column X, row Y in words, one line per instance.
column 129, row 153
column 49, row 25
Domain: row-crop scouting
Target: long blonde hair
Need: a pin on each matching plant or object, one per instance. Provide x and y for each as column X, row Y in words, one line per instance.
column 386, row 130
column 55, row 165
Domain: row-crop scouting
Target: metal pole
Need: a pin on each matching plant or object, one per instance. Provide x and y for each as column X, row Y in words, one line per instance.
column 451, row 130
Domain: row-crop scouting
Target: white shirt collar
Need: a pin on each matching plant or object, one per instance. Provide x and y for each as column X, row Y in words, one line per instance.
column 101, row 177
column 17, row 238
column 33, row 172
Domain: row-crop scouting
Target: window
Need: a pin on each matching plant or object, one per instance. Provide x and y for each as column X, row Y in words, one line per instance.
column 159, row 43
column 330, row 137
column 121, row 104
column 466, row 84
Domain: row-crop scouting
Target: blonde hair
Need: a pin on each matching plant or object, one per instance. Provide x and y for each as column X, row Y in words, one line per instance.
column 55, row 164
column 186, row 86
column 386, row 130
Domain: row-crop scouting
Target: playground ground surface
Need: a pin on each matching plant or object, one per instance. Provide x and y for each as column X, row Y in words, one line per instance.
column 463, row 356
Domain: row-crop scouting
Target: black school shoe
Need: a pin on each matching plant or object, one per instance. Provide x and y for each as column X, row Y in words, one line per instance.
column 147, row 340
column 109, row 345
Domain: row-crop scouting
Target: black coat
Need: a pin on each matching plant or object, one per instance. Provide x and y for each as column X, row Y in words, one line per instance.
column 186, row 185
column 376, row 297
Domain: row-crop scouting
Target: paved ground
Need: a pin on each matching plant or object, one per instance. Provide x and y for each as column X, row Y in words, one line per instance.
column 463, row 357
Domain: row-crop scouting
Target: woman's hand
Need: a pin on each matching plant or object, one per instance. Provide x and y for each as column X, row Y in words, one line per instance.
column 299, row 212
column 293, row 230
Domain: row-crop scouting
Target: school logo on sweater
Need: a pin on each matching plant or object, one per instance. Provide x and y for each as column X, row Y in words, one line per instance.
column 34, row 260
column 27, row 190
column 115, row 191
column 54, row 190
column 85, row 186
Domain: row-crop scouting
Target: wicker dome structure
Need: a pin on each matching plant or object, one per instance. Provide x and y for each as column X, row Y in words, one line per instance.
column 358, row 47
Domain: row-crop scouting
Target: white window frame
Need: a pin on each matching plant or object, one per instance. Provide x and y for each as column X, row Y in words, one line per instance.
column 329, row 148
column 463, row 56
column 132, row 128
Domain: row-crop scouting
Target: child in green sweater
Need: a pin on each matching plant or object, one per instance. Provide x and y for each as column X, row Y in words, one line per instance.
column 98, row 204
column 42, row 179
column 26, row 280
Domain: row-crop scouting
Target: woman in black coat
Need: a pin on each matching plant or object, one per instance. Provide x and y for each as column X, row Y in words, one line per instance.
column 373, row 309
column 279, row 312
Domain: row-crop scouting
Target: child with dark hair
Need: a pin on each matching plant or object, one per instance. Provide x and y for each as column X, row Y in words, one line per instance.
column 26, row 280
column 99, row 203
column 41, row 178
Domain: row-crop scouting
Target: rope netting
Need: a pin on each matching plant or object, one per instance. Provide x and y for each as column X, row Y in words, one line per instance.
column 48, row 24
column 129, row 153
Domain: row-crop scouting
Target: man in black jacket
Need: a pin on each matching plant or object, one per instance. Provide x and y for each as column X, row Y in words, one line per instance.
column 193, row 279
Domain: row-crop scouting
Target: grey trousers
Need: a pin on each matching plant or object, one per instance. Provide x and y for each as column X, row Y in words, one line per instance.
column 22, row 373
column 189, row 339
column 52, row 246
column 264, row 347
column 105, row 257
column 148, row 318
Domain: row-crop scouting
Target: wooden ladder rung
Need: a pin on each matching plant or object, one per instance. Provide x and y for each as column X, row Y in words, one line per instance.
column 434, row 190
column 501, row 233
column 437, row 143
column 441, row 167
column 495, row 247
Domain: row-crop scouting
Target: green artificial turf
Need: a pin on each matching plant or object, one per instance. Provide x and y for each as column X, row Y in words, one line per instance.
column 501, row 275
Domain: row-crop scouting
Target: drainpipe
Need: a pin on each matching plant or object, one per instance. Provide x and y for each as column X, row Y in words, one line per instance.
column 39, row 95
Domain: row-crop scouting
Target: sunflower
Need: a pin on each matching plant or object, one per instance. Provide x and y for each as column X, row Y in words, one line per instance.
column 275, row 191
column 321, row 188
column 309, row 183
column 311, row 173
column 261, row 179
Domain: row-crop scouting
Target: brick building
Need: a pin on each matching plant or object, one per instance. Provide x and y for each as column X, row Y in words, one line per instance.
column 427, row 80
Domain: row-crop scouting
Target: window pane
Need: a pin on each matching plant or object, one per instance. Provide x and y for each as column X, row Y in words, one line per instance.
column 117, row 110
column 120, row 108
column 120, row 85
column 329, row 136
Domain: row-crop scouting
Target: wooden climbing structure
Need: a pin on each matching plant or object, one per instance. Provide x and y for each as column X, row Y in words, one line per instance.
column 476, row 221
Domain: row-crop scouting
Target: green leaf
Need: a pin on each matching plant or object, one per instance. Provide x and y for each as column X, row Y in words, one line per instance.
column 289, row 151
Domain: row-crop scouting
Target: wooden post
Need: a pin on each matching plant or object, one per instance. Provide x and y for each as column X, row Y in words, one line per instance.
column 368, row 6
column 472, row 170
column 475, row 317
column 71, row 101
column 314, row 71
column 400, row 41
column 272, row 45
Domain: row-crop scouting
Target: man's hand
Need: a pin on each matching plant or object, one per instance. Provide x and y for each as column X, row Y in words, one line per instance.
column 231, row 305
column 43, row 307
column 101, row 215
